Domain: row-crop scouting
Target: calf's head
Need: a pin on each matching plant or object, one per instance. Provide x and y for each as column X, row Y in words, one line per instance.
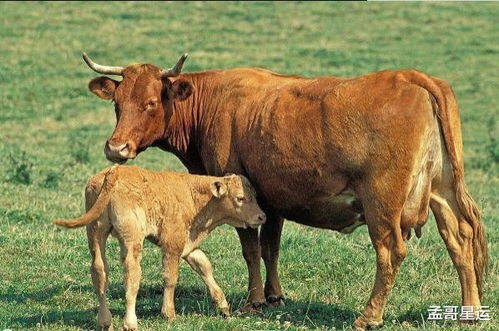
column 235, row 202
column 142, row 102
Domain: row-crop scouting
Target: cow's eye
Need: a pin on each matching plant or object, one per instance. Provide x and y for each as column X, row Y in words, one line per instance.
column 151, row 105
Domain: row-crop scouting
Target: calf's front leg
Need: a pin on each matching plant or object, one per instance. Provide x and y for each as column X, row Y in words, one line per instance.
column 198, row 261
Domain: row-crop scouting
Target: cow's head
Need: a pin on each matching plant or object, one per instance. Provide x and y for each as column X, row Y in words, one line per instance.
column 143, row 104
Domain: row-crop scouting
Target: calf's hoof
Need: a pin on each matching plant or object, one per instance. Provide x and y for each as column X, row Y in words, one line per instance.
column 130, row 325
column 362, row 323
column 276, row 300
column 105, row 328
column 225, row 312
column 168, row 315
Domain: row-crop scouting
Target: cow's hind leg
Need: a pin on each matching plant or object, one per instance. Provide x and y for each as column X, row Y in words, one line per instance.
column 270, row 237
column 457, row 234
column 383, row 210
column 252, row 256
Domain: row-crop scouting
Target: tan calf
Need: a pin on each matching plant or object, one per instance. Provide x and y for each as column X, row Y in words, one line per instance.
column 176, row 211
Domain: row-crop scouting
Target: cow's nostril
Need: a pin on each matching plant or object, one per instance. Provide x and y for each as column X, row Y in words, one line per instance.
column 261, row 218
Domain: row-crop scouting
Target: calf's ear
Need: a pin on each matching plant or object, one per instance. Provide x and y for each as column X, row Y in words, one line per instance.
column 180, row 89
column 218, row 189
column 103, row 87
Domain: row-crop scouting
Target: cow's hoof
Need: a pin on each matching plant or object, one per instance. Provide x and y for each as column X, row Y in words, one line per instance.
column 276, row 301
column 362, row 323
column 106, row 328
column 255, row 307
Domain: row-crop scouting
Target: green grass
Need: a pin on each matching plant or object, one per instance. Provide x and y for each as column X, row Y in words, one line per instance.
column 52, row 132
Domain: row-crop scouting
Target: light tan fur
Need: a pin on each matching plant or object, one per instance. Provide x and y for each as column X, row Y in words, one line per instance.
column 173, row 210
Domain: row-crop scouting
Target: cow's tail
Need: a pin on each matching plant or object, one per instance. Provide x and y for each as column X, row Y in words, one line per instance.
column 448, row 117
column 98, row 207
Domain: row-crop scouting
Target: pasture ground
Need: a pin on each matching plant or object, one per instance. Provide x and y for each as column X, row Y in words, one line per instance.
column 52, row 132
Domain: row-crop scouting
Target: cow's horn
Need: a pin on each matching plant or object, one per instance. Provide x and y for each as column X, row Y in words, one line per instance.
column 175, row 71
column 102, row 69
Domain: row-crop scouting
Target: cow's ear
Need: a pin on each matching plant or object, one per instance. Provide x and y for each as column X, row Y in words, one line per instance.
column 218, row 189
column 180, row 89
column 103, row 87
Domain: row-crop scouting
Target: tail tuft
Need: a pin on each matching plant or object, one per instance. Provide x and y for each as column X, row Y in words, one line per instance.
column 473, row 215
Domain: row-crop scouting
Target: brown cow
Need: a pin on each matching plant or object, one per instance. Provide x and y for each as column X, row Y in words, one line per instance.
column 176, row 211
column 327, row 152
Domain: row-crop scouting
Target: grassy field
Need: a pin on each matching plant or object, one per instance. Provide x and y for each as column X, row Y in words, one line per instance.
column 52, row 132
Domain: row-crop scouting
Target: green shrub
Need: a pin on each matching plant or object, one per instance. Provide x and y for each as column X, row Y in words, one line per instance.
column 52, row 180
column 79, row 142
column 19, row 169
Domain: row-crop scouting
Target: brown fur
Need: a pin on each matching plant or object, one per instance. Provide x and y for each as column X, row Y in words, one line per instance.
column 327, row 152
column 175, row 211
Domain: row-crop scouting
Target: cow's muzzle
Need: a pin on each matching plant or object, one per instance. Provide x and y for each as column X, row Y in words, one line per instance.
column 119, row 153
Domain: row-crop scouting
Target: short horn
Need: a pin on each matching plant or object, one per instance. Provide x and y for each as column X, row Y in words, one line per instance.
column 102, row 69
column 175, row 71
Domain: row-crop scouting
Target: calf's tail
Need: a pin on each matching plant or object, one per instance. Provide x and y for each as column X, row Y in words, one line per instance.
column 96, row 211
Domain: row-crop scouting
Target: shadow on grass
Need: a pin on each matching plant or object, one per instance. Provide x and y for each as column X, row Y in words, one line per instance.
column 188, row 301
column 77, row 318
column 149, row 300
column 37, row 296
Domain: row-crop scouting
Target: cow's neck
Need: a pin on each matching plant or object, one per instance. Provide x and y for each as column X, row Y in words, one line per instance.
column 184, row 131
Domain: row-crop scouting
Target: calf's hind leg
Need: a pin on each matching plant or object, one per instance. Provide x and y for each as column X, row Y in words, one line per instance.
column 198, row 261
column 97, row 234
column 170, row 277
column 131, row 254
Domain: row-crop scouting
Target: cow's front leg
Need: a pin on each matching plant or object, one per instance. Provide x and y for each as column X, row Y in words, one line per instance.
column 270, row 238
column 252, row 255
